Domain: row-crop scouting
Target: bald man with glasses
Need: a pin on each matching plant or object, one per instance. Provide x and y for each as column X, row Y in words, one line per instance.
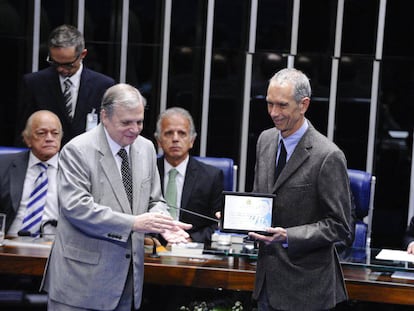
column 67, row 88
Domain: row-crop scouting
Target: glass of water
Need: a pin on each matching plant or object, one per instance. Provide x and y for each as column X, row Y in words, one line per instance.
column 2, row 227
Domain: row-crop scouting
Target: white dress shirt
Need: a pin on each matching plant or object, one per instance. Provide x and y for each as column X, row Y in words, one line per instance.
column 51, row 210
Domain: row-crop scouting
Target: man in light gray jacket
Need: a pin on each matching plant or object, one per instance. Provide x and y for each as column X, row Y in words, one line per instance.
column 97, row 260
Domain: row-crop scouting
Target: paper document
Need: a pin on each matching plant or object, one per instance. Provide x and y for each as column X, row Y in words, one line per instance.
column 396, row 255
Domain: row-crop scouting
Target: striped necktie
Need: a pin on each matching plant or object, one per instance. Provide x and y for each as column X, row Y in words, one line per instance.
column 37, row 202
column 67, row 95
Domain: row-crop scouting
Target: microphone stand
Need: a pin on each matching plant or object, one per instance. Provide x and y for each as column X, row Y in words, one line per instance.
column 154, row 249
column 194, row 213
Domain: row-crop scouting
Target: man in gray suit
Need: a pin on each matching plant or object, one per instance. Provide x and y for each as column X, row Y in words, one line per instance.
column 97, row 260
column 298, row 267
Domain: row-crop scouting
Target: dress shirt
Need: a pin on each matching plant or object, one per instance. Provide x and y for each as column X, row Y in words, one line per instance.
column 292, row 141
column 114, row 149
column 51, row 210
column 75, row 79
column 179, row 179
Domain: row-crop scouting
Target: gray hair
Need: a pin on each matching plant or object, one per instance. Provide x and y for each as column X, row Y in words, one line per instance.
column 300, row 82
column 173, row 111
column 67, row 36
column 121, row 94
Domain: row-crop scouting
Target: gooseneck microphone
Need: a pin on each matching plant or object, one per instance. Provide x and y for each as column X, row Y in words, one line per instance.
column 52, row 222
column 195, row 213
column 154, row 249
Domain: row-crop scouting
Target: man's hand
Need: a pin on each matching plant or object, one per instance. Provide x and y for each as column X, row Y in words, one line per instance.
column 157, row 223
column 178, row 234
column 279, row 235
column 410, row 248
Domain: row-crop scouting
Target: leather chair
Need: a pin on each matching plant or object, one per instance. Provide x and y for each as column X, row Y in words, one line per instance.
column 228, row 168
column 362, row 188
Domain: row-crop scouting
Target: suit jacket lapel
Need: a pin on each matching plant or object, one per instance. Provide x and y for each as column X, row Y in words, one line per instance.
column 111, row 171
column 83, row 95
column 136, row 169
column 160, row 165
column 272, row 152
column 17, row 176
column 54, row 86
column 300, row 154
column 189, row 181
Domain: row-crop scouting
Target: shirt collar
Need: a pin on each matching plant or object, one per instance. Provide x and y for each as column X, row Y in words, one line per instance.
column 75, row 78
column 292, row 140
column 181, row 168
column 53, row 161
column 113, row 145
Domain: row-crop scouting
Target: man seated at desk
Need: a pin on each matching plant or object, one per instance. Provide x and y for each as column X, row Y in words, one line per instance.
column 28, row 193
column 195, row 186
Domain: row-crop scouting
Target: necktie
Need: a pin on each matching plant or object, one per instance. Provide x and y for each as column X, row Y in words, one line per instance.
column 126, row 173
column 37, row 201
column 67, row 95
column 171, row 192
column 282, row 160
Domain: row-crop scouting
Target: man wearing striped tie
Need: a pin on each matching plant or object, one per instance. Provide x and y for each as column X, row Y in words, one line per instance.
column 28, row 193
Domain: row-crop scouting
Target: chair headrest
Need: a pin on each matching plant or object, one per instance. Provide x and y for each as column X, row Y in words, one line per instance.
column 360, row 182
column 9, row 150
column 225, row 164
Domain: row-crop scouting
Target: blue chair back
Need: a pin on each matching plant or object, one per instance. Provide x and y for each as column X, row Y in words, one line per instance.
column 226, row 165
column 362, row 187
column 8, row 150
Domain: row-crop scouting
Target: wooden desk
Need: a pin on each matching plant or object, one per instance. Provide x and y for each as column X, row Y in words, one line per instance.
column 363, row 284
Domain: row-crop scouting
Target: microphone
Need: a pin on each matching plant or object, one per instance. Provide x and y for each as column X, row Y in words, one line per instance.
column 195, row 213
column 24, row 233
column 28, row 233
column 154, row 249
column 52, row 222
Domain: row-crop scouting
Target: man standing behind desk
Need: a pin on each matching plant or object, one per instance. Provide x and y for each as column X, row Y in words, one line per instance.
column 19, row 172
column 198, row 186
column 108, row 181
column 298, row 267
column 67, row 88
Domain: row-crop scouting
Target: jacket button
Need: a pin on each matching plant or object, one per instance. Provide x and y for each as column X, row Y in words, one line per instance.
column 127, row 256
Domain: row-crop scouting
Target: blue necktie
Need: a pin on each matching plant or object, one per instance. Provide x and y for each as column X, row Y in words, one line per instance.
column 37, row 202
column 281, row 161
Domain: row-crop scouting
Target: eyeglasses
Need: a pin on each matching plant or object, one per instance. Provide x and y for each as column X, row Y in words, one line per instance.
column 68, row 66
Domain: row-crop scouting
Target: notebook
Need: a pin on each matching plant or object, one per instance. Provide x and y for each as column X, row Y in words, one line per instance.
column 245, row 212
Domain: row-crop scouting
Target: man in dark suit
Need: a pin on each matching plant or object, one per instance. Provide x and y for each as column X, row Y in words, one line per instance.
column 18, row 171
column 198, row 189
column 77, row 104
column 199, row 186
column 298, row 267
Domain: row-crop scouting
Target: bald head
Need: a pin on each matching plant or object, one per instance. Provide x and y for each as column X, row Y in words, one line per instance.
column 43, row 134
